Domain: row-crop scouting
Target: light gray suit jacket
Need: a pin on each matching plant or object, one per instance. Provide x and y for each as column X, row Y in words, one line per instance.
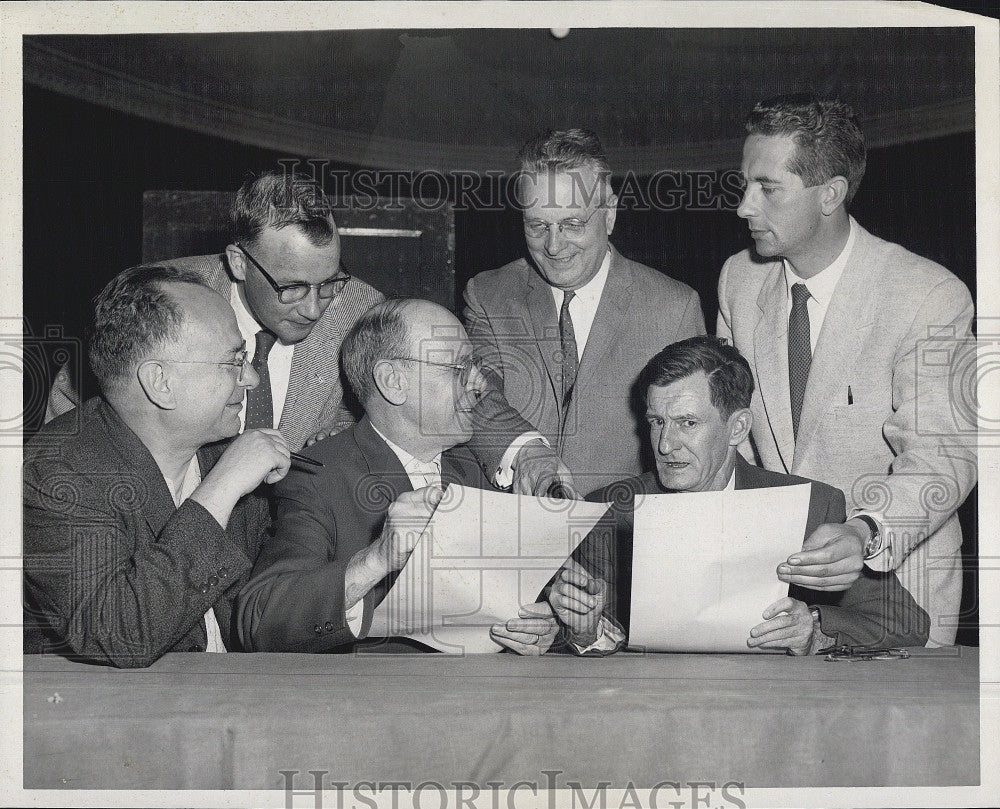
column 897, row 334
column 315, row 399
column 511, row 317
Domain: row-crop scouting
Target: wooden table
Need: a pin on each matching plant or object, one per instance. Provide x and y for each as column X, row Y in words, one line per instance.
column 204, row 721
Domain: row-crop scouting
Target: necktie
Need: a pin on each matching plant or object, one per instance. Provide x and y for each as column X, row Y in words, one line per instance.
column 799, row 351
column 260, row 410
column 567, row 339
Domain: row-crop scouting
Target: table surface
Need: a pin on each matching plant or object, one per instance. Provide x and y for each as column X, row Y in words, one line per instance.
column 204, row 721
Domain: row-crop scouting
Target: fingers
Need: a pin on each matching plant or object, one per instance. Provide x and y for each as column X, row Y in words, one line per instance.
column 788, row 626
column 781, row 605
column 542, row 609
column 524, row 643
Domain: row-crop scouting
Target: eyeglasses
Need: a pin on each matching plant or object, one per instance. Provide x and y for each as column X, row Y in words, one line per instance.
column 292, row 293
column 570, row 228
column 463, row 369
column 241, row 362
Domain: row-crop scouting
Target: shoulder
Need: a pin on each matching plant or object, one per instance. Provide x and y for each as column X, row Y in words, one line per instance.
column 77, row 437
column 760, row 478
column 342, row 459
column 499, row 281
column 212, row 268
column 652, row 281
column 904, row 273
column 742, row 271
column 355, row 299
column 623, row 492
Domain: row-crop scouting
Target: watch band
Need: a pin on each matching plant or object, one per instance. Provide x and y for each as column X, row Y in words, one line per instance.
column 874, row 545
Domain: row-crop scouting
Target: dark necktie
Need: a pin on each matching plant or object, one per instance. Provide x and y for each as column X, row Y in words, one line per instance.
column 567, row 338
column 799, row 351
column 260, row 409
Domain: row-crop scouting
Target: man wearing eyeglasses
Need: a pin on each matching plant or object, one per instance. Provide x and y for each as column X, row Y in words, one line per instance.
column 140, row 523
column 341, row 532
column 564, row 333
column 293, row 300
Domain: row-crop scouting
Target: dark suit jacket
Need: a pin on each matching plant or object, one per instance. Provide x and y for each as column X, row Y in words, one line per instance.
column 115, row 573
column 294, row 601
column 875, row 611
column 512, row 321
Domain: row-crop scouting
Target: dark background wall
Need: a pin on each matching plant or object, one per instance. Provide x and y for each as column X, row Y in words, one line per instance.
column 86, row 167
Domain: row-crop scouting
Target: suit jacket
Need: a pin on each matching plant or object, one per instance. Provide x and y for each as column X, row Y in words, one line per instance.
column 897, row 332
column 115, row 573
column 875, row 611
column 294, row 601
column 512, row 320
column 315, row 399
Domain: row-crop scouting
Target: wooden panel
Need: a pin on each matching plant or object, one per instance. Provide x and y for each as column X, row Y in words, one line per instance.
column 403, row 247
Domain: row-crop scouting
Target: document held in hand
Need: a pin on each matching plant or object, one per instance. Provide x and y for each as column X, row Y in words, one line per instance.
column 485, row 555
column 704, row 565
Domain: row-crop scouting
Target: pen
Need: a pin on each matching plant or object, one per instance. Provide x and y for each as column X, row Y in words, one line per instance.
column 850, row 396
column 304, row 459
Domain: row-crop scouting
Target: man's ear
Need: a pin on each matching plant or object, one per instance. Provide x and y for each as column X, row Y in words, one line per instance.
column 833, row 194
column 237, row 262
column 392, row 384
column 157, row 383
column 611, row 213
column 740, row 423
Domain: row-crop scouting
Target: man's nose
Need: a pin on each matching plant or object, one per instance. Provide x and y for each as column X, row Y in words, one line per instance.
column 310, row 306
column 746, row 207
column 554, row 239
column 667, row 441
column 251, row 379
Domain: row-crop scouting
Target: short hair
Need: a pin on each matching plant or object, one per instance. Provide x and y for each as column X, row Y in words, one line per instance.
column 133, row 315
column 380, row 333
column 825, row 131
column 563, row 150
column 279, row 200
column 730, row 381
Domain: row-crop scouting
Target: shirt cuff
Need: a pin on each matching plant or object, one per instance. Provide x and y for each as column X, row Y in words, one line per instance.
column 504, row 476
column 884, row 560
column 355, row 617
column 609, row 638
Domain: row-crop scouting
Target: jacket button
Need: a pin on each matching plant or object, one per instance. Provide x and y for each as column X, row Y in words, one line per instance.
column 317, row 629
column 212, row 581
column 329, row 626
column 223, row 572
column 203, row 588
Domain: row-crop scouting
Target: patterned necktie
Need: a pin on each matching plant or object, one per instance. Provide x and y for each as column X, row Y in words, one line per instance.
column 799, row 351
column 260, row 409
column 567, row 339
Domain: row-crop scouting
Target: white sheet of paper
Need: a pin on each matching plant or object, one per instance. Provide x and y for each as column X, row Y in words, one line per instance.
column 703, row 565
column 486, row 555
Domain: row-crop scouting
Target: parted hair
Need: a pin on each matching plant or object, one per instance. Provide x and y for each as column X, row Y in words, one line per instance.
column 134, row 315
column 730, row 381
column 829, row 141
column 282, row 199
column 562, row 150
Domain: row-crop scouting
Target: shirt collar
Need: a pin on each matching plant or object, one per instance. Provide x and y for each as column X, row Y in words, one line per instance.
column 822, row 284
column 246, row 322
column 409, row 462
column 590, row 293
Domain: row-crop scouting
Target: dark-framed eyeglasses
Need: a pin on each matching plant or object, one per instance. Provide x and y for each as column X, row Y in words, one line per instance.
column 292, row 293
column 462, row 370
column 241, row 362
column 571, row 228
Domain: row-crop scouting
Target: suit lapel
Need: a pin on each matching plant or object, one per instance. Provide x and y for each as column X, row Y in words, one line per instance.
column 611, row 312
column 848, row 321
column 314, row 364
column 545, row 323
column 771, row 361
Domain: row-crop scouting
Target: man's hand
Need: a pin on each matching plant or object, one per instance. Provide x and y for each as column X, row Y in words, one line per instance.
column 405, row 523
column 319, row 435
column 531, row 634
column 255, row 456
column 578, row 599
column 537, row 468
column 788, row 625
column 831, row 557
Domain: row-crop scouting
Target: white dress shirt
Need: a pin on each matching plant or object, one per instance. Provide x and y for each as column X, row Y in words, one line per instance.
column 821, row 287
column 279, row 359
column 181, row 491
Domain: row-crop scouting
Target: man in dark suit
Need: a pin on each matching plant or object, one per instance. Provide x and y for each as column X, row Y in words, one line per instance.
column 342, row 532
column 698, row 394
column 140, row 528
column 293, row 301
column 564, row 332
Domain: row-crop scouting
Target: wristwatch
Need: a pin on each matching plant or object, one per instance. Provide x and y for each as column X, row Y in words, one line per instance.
column 874, row 544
